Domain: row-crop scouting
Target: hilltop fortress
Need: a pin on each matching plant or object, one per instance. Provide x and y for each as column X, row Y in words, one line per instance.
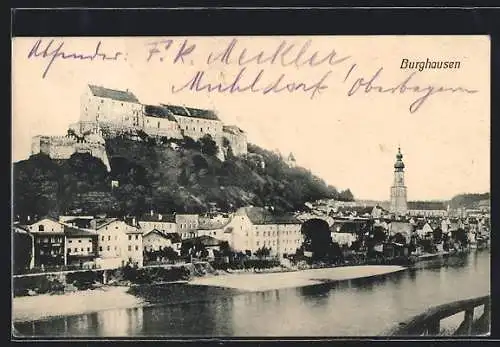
column 107, row 113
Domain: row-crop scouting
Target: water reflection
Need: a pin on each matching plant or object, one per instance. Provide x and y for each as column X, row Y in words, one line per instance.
column 352, row 308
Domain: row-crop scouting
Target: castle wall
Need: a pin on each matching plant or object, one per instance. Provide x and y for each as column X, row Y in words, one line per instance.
column 122, row 113
column 156, row 126
column 238, row 142
column 198, row 127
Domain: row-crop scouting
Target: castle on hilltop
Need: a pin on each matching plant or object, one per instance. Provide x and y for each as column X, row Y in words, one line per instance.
column 107, row 112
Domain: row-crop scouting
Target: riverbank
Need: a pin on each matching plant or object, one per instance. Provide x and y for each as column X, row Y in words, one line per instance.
column 270, row 281
column 30, row 308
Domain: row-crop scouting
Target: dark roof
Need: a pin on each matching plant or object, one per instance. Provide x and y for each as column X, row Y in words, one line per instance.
column 259, row 215
column 155, row 231
column 113, row 94
column 159, row 112
column 210, row 224
column 165, row 218
column 426, row 205
column 191, row 112
column 80, row 222
column 347, row 226
column 174, row 237
column 177, row 110
column 75, row 232
column 205, row 240
column 102, row 222
column 232, row 129
column 199, row 113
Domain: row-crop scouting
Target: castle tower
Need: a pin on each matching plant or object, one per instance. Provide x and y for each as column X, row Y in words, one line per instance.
column 398, row 189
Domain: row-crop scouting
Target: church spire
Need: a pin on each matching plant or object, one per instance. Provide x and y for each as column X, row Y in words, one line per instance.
column 399, row 165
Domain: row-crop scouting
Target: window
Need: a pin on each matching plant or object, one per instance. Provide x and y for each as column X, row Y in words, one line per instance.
column 102, row 238
column 115, row 248
column 257, row 234
column 108, row 248
column 79, row 241
column 109, row 237
column 81, row 249
column 70, row 241
column 137, row 237
column 40, row 228
column 158, row 125
column 136, row 248
column 90, row 240
column 100, row 248
column 130, row 237
column 129, row 247
column 88, row 249
column 257, row 243
column 76, row 250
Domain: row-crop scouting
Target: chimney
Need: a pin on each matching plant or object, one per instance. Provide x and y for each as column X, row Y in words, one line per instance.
column 160, row 217
column 134, row 222
column 152, row 213
column 93, row 224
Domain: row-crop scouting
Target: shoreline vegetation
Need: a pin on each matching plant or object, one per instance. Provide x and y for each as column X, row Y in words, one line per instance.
column 45, row 306
column 131, row 291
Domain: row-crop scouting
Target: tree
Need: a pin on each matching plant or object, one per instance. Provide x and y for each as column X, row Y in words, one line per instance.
column 317, row 238
column 399, row 238
column 169, row 253
column 437, row 235
column 208, row 145
column 346, row 195
column 263, row 252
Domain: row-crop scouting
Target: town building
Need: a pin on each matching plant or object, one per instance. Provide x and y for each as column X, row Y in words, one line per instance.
column 49, row 242
column 80, row 245
column 427, row 209
column 155, row 240
column 164, row 223
column 186, row 225
column 252, row 228
column 119, row 243
column 398, row 189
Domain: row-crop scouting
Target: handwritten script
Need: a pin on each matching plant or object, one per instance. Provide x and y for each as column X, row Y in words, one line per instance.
column 254, row 68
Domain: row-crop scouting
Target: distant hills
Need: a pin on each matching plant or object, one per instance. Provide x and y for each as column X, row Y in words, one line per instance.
column 465, row 200
column 149, row 174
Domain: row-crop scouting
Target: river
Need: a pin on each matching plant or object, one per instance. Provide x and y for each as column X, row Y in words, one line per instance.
column 362, row 307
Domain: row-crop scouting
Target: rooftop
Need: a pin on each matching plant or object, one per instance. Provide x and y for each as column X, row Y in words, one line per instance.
column 159, row 112
column 259, row 215
column 118, row 95
column 191, row 112
column 75, row 232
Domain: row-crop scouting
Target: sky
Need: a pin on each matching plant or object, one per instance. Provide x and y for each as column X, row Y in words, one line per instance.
column 346, row 133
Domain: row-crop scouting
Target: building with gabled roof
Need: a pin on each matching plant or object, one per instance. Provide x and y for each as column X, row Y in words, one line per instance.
column 119, row 243
column 251, row 228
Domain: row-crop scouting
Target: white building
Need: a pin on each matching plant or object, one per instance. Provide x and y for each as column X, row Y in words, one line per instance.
column 252, row 228
column 119, row 243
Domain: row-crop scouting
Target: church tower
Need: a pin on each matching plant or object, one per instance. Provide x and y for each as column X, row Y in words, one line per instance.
column 398, row 189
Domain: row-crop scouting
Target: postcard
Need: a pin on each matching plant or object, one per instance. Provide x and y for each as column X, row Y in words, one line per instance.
column 251, row 186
